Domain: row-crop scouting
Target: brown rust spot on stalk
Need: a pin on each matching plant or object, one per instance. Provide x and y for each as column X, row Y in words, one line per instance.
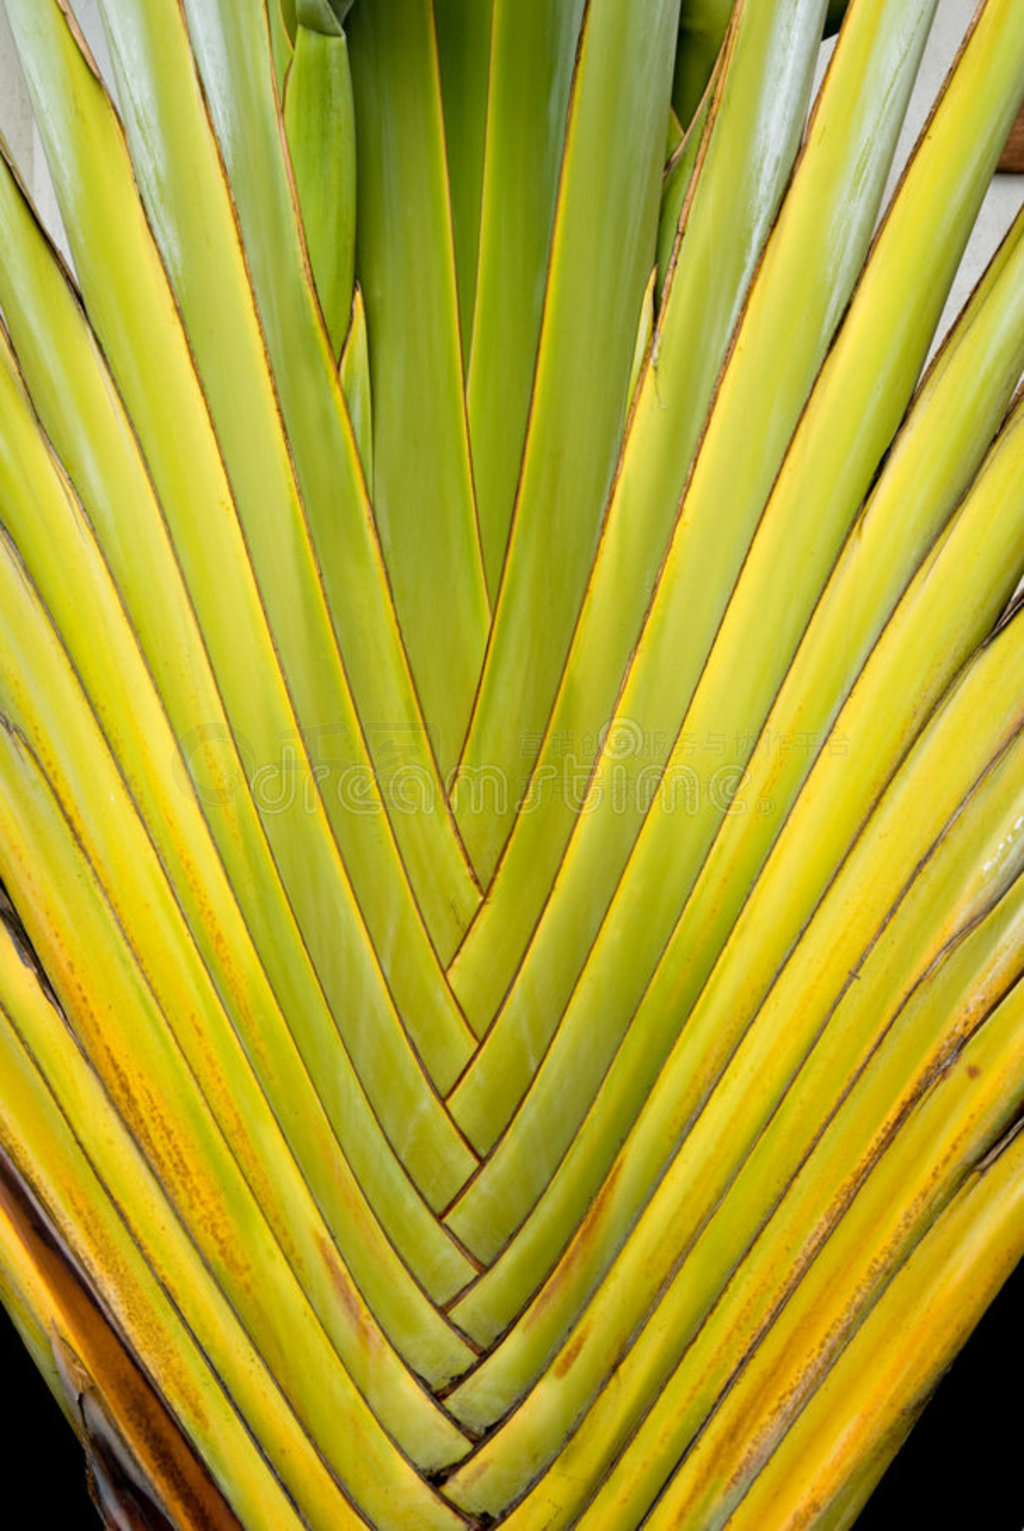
column 349, row 1298
column 580, row 1249
column 568, row 1355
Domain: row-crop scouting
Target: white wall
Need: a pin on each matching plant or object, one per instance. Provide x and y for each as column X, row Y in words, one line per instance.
column 1006, row 194
column 16, row 122
column 1004, row 198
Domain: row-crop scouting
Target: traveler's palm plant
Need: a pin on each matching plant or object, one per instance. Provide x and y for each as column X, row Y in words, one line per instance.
column 511, row 749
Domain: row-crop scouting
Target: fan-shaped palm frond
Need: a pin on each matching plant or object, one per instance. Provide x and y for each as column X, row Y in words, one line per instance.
column 510, row 755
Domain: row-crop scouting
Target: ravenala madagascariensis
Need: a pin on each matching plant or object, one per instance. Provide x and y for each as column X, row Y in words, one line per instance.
column 511, row 787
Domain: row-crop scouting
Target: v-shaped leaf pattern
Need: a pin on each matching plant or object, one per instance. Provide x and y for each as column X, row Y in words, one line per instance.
column 517, row 807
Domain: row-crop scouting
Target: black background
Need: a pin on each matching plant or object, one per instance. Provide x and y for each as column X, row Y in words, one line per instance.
column 961, row 1470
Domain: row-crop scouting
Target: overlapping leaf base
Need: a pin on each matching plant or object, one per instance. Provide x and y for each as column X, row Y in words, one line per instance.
column 511, row 756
